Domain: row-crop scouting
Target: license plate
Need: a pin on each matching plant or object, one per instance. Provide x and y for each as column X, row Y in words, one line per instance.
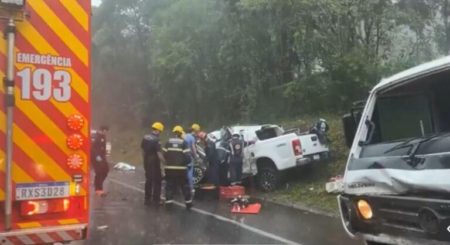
column 316, row 157
column 48, row 190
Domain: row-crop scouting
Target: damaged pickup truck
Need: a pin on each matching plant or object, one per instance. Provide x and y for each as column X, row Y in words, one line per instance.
column 396, row 188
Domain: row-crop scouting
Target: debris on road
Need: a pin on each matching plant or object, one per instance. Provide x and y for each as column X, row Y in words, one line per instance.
column 124, row 166
column 253, row 208
column 102, row 227
column 242, row 205
column 335, row 185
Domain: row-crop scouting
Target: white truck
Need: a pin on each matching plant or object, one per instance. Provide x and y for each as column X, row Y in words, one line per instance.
column 271, row 150
column 396, row 188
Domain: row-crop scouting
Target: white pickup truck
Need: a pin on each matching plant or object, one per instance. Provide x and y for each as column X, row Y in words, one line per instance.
column 271, row 150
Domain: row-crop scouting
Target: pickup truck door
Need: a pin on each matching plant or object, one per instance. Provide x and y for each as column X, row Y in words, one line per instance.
column 249, row 164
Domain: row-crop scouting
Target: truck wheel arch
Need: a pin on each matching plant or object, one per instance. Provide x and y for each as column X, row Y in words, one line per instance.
column 265, row 162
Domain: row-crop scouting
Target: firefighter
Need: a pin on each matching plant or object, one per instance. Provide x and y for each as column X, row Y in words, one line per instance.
column 236, row 147
column 98, row 154
column 153, row 164
column 178, row 156
column 191, row 141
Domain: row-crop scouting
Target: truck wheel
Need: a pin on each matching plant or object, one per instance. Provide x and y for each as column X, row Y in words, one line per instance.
column 199, row 174
column 268, row 178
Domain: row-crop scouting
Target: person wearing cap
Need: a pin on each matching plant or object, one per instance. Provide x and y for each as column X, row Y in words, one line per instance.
column 153, row 164
column 178, row 156
column 98, row 154
column 191, row 141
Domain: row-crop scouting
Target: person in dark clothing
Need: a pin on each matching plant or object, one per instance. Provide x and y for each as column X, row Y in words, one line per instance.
column 98, row 157
column 178, row 156
column 223, row 154
column 236, row 147
column 153, row 164
column 211, row 155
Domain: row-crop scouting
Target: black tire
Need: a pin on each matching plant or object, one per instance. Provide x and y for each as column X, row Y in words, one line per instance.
column 199, row 175
column 268, row 178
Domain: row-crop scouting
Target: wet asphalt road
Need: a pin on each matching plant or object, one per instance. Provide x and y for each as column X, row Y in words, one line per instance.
column 128, row 221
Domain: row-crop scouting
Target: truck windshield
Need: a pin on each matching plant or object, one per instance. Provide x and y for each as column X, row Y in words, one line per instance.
column 410, row 113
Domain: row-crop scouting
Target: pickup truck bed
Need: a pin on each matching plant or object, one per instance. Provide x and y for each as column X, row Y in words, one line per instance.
column 272, row 151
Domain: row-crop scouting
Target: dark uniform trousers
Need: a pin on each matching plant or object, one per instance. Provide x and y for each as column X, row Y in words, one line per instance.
column 152, row 180
column 177, row 180
column 101, row 171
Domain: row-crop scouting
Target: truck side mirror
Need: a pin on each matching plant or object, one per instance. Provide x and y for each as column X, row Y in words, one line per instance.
column 350, row 125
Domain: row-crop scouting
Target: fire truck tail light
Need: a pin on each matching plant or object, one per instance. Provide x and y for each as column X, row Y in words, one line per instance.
column 29, row 208
column 75, row 122
column 75, row 141
column 75, row 161
column 66, row 203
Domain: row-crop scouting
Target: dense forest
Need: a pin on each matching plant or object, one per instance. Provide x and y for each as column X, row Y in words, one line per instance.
column 230, row 61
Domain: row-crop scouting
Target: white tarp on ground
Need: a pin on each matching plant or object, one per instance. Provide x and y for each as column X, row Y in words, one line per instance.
column 124, row 166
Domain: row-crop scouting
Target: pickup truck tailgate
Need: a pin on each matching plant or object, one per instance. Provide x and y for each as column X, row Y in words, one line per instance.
column 311, row 144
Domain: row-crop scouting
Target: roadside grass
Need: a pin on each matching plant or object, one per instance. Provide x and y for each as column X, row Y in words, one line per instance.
column 304, row 187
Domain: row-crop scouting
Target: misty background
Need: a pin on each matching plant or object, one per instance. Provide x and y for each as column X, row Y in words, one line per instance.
column 220, row 62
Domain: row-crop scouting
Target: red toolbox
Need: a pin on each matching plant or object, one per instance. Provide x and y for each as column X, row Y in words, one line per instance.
column 229, row 192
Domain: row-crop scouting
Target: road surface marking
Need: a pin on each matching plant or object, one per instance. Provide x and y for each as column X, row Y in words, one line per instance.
column 221, row 218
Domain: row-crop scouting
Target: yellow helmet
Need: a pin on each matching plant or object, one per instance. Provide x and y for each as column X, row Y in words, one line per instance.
column 158, row 126
column 195, row 127
column 178, row 129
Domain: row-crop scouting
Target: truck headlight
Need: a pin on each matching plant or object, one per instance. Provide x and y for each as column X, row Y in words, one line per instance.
column 13, row 3
column 364, row 209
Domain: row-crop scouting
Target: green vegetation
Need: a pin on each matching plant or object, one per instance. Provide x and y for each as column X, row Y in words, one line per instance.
column 220, row 62
column 229, row 61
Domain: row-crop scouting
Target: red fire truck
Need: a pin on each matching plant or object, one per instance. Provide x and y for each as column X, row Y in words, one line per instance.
column 44, row 120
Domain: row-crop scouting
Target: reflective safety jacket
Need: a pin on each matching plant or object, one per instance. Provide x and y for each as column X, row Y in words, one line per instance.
column 177, row 154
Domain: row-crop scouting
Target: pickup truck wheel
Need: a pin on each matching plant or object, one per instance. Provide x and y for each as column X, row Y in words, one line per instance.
column 268, row 178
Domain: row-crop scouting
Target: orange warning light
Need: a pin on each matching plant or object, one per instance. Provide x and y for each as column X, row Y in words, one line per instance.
column 75, row 122
column 75, row 141
column 75, row 161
